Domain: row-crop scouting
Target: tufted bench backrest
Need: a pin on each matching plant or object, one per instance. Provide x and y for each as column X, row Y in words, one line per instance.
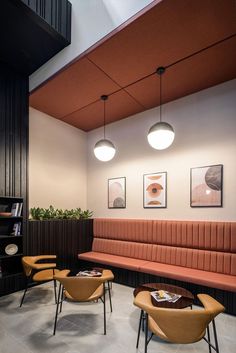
column 209, row 246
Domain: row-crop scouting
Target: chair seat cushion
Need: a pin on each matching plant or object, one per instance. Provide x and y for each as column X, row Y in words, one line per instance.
column 205, row 278
column 113, row 260
column 44, row 275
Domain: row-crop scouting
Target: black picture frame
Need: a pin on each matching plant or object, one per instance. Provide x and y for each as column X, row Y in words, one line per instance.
column 119, row 201
column 149, row 198
column 206, row 186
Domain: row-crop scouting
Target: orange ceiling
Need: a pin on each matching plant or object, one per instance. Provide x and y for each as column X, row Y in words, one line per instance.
column 194, row 40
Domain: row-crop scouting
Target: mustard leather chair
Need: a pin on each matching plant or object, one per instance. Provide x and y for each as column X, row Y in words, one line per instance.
column 38, row 272
column 81, row 289
column 178, row 325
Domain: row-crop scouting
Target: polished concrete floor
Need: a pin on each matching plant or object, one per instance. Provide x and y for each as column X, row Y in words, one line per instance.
column 80, row 326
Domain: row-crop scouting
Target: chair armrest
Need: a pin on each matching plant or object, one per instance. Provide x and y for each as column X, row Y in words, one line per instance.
column 143, row 301
column 61, row 274
column 211, row 304
column 44, row 257
column 43, row 266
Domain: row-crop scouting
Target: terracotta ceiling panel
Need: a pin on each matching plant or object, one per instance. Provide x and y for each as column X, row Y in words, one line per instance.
column 207, row 68
column 120, row 105
column 77, row 86
column 165, row 34
column 196, row 38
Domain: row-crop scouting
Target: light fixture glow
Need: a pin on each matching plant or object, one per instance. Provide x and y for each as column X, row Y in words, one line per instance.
column 161, row 135
column 104, row 149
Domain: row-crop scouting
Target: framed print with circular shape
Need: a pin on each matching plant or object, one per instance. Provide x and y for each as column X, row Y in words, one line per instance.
column 11, row 249
column 117, row 192
column 155, row 190
column 206, row 186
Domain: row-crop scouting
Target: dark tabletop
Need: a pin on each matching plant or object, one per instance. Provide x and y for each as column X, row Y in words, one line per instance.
column 183, row 302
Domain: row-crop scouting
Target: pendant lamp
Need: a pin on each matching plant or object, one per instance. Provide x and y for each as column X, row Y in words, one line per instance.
column 104, row 149
column 161, row 135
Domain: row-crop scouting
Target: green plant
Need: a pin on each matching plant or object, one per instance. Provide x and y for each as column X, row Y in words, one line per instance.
column 38, row 213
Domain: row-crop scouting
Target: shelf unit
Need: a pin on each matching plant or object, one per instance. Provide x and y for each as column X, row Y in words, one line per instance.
column 10, row 265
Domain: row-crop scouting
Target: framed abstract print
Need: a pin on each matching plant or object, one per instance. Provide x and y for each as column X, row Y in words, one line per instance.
column 117, row 192
column 206, row 186
column 154, row 190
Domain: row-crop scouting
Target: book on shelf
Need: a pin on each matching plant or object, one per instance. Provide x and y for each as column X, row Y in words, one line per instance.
column 20, row 209
column 16, row 228
column 89, row 273
column 165, row 296
column 16, row 209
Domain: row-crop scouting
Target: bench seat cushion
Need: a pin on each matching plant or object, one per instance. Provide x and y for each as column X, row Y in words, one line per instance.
column 113, row 260
column 205, row 278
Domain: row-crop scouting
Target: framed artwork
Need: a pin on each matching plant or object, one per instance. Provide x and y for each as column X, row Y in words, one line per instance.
column 117, row 192
column 206, row 186
column 154, row 190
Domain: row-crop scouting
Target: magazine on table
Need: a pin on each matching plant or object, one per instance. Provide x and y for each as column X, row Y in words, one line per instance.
column 89, row 273
column 165, row 296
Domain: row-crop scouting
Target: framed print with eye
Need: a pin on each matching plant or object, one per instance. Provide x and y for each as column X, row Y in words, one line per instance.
column 154, row 190
column 206, row 186
column 117, row 192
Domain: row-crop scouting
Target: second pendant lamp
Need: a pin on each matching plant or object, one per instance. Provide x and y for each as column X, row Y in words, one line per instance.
column 161, row 135
column 104, row 149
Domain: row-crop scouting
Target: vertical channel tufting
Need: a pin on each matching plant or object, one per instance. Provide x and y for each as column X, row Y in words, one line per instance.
column 193, row 244
column 233, row 237
column 124, row 229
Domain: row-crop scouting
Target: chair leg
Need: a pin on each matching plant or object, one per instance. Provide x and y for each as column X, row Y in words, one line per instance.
column 209, row 338
column 62, row 298
column 139, row 327
column 26, row 288
column 55, row 290
column 215, row 336
column 57, row 309
column 146, row 333
column 104, row 308
column 109, row 292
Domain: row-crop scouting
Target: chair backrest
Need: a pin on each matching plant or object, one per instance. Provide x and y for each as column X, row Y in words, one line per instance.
column 27, row 262
column 182, row 326
column 179, row 325
column 80, row 288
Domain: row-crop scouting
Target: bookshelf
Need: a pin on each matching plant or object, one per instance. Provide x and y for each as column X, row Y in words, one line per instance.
column 11, row 236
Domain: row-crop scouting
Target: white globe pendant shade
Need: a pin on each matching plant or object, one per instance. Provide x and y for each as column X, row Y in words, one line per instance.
column 104, row 150
column 161, row 135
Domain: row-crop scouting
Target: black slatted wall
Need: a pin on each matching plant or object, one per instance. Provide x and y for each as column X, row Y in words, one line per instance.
column 56, row 13
column 14, row 130
column 65, row 238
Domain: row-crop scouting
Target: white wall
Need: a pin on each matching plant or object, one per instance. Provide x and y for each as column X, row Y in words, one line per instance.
column 91, row 21
column 205, row 127
column 57, row 163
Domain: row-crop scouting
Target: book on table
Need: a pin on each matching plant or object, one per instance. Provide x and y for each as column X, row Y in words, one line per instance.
column 89, row 273
column 165, row 296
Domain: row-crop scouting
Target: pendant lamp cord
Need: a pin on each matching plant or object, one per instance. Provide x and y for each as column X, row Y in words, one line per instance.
column 104, row 112
column 160, row 71
column 104, row 98
column 160, row 98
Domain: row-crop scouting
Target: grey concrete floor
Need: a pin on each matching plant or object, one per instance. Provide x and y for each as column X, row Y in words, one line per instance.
column 80, row 326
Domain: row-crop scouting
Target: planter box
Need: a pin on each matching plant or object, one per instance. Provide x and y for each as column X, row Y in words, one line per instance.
column 64, row 238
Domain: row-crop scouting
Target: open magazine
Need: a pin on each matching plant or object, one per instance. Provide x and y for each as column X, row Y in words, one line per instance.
column 165, row 296
column 89, row 273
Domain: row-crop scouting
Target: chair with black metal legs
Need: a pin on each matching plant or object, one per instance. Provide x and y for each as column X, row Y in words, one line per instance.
column 38, row 272
column 178, row 325
column 80, row 289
